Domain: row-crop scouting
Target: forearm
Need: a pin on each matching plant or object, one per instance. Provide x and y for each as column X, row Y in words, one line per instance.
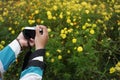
column 35, row 66
column 8, row 55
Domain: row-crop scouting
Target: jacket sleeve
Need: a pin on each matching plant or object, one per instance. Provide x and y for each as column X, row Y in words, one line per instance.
column 35, row 66
column 8, row 55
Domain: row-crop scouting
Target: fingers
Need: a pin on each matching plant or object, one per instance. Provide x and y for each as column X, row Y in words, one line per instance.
column 32, row 42
column 44, row 29
column 37, row 30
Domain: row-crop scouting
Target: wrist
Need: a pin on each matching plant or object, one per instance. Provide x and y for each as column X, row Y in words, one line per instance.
column 39, row 47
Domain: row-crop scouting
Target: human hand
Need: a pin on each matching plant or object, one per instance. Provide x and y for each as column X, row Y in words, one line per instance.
column 41, row 39
column 23, row 42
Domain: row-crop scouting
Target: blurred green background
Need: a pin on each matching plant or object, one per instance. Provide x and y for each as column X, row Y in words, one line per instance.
column 84, row 36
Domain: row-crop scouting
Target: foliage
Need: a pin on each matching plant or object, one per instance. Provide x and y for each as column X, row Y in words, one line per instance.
column 84, row 36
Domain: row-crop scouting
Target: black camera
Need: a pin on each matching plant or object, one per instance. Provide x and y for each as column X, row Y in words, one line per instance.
column 29, row 32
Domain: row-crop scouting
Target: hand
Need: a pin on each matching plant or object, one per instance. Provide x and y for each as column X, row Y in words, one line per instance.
column 41, row 39
column 23, row 41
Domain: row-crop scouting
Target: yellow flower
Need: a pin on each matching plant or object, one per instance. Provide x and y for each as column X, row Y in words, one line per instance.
column 70, row 30
column 38, row 20
column 80, row 49
column 30, row 17
column 68, row 51
column 52, row 60
column 88, row 20
column 84, row 3
column 1, row 46
column 75, row 23
column 92, row 31
column 94, row 25
column 54, row 17
column 87, row 24
column 31, row 21
column 106, row 18
column 16, row 22
column 87, row 11
column 1, row 19
column 5, row 13
column 42, row 21
column 32, row 14
column 36, row 11
column 113, row 1
column 2, row 42
column 13, row 32
column 48, row 13
column 68, row 20
column 99, row 21
column 65, row 28
column 68, row 13
column 83, row 27
column 71, row 24
column 112, row 70
column 118, row 23
column 55, row 7
column 50, row 17
column 61, row 15
column 117, row 69
column 63, row 36
column 58, row 50
column 118, row 64
column 62, row 31
column 22, row 28
column 94, row 6
column 47, row 54
column 51, row 35
column 49, row 30
column 104, row 13
column 75, row 48
column 65, row 31
column 59, row 57
column 10, row 28
column 74, row 40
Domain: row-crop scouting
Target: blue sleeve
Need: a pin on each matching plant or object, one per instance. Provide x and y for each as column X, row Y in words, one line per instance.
column 8, row 55
column 35, row 66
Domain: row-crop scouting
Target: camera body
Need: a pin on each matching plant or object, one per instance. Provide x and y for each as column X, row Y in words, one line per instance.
column 29, row 32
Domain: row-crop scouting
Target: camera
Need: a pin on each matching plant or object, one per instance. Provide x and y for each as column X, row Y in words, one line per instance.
column 29, row 32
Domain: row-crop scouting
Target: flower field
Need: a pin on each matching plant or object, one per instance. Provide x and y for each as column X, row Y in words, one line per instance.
column 84, row 36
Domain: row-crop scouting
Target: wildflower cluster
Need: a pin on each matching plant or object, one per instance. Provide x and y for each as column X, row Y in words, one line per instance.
column 115, row 69
column 2, row 43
